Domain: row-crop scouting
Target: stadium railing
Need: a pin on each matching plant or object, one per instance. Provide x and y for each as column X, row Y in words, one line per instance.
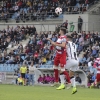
column 45, row 27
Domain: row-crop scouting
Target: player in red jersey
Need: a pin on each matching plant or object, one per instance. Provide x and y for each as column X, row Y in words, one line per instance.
column 97, row 64
column 60, row 58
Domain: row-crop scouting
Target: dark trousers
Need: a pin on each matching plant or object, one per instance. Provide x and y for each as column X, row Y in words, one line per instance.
column 79, row 28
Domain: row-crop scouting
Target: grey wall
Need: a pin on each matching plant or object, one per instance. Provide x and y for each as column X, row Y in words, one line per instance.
column 90, row 22
column 39, row 26
column 94, row 22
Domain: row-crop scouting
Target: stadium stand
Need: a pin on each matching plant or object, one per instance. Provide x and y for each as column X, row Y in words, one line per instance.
column 38, row 49
column 41, row 52
column 40, row 9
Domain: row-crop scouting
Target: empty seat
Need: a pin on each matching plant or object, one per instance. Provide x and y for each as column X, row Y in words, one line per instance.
column 23, row 57
column 1, row 67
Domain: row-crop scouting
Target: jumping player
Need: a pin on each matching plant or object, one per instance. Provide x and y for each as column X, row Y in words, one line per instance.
column 60, row 58
column 72, row 63
column 97, row 64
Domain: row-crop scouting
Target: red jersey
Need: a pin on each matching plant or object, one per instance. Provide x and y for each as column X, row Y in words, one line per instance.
column 59, row 49
column 97, row 64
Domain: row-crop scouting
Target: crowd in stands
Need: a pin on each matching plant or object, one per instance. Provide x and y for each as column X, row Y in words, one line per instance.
column 13, row 35
column 39, row 9
column 41, row 52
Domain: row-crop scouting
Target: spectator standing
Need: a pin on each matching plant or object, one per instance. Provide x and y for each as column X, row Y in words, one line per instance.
column 80, row 23
column 23, row 71
column 31, row 73
column 65, row 24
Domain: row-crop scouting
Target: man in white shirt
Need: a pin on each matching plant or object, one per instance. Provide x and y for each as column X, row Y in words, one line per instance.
column 31, row 73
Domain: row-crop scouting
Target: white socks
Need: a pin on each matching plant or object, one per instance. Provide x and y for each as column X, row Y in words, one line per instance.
column 73, row 82
column 62, row 79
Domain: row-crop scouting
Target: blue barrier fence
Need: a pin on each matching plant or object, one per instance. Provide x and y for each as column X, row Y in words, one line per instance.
column 12, row 67
column 8, row 67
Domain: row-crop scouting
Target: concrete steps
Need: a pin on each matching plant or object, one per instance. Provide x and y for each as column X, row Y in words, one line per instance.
column 95, row 9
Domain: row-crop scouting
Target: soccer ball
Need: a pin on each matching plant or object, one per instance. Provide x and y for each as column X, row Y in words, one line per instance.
column 58, row 10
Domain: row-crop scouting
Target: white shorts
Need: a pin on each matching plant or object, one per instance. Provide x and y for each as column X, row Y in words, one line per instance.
column 72, row 64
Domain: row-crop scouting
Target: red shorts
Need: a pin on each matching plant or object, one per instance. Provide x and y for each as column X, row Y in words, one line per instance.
column 98, row 77
column 60, row 59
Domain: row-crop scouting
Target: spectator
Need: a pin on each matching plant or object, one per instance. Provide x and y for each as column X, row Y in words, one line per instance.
column 80, row 22
column 48, row 79
column 78, row 79
column 31, row 73
column 23, row 71
column 65, row 24
column 44, row 79
column 40, row 79
column 27, row 78
column 20, row 81
column 93, row 77
column 83, row 59
column 52, row 79
column 89, row 79
column 42, row 9
column 44, row 60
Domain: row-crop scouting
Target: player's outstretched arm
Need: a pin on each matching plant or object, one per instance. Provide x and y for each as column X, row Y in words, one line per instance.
column 63, row 44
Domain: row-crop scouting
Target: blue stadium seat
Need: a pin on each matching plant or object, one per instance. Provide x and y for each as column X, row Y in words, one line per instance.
column 6, row 67
column 50, row 66
column 42, row 66
column 60, row 16
column 1, row 67
column 23, row 57
column 49, row 62
column 14, row 15
column 16, row 66
column 11, row 69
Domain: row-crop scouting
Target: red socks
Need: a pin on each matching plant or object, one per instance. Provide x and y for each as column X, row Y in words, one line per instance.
column 67, row 76
column 65, row 73
column 56, row 75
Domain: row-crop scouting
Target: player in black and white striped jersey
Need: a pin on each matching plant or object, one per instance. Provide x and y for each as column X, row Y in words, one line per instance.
column 71, row 63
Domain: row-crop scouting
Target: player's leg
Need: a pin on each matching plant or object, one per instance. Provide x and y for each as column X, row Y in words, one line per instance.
column 62, row 78
column 56, row 71
column 63, row 73
column 69, row 64
column 72, row 76
column 98, row 79
column 74, row 90
column 24, row 78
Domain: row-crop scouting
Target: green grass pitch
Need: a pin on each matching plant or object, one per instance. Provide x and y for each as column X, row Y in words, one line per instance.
column 14, row 92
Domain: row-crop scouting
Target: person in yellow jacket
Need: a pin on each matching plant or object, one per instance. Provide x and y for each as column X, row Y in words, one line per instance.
column 20, row 80
column 23, row 71
column 44, row 60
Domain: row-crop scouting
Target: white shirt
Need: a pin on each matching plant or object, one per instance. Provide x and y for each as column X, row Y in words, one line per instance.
column 31, row 69
column 71, row 50
column 15, row 8
column 89, row 63
column 49, row 35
